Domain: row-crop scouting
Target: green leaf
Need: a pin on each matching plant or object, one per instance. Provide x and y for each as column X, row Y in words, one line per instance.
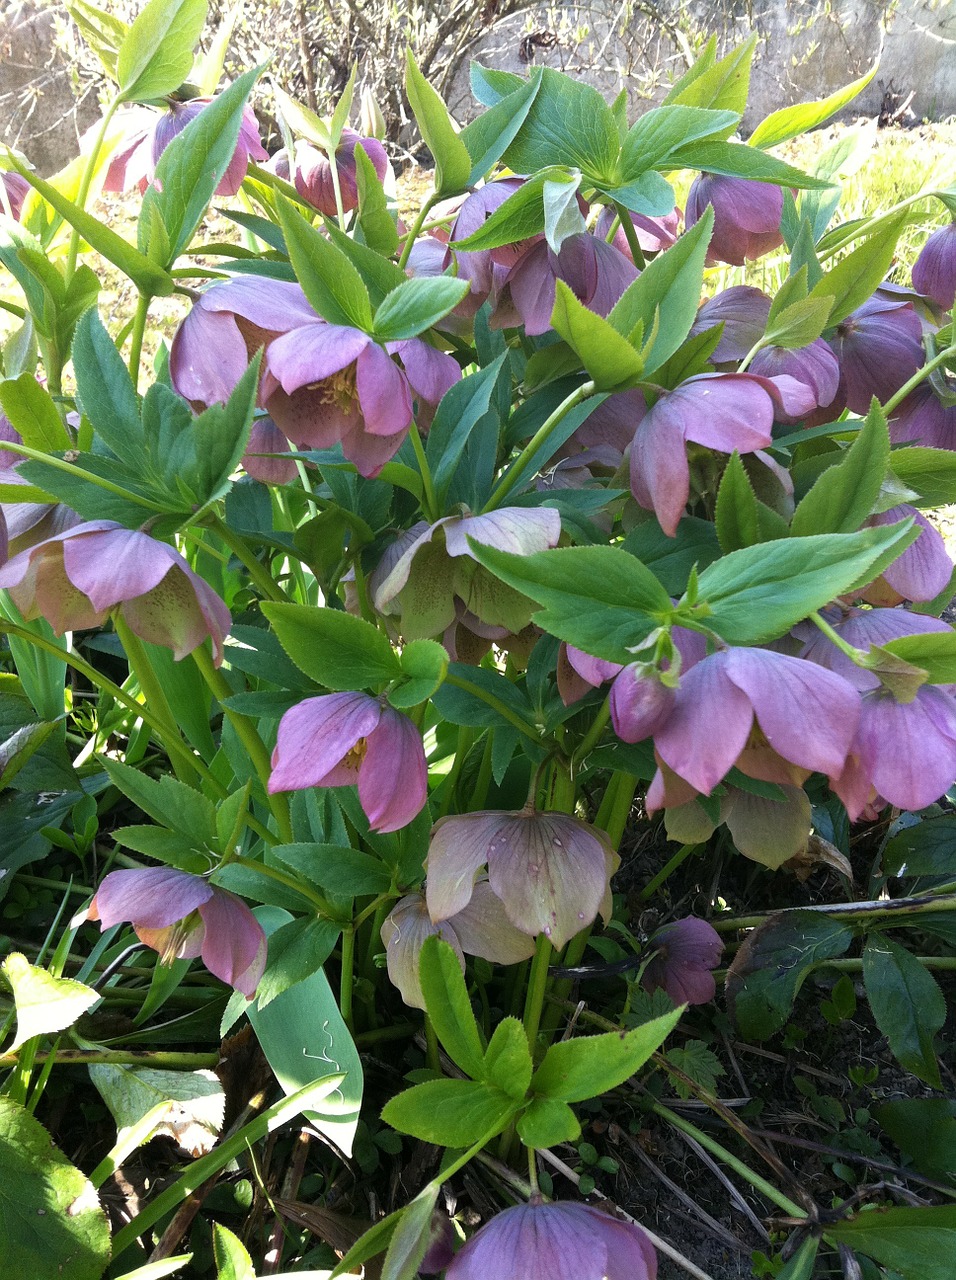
column 452, row 161
column 647, row 193
column 170, row 1102
column 547, row 1123
column 20, row 746
column 44, row 1003
column 845, row 494
column 926, row 849
column 798, row 324
column 416, row 305
column 587, row 1066
column 156, row 55
column 32, row 411
column 735, row 513
column 105, row 389
column 297, row 950
column 231, row 1256
column 217, row 440
column 803, row 1263
column 759, row 592
column 659, row 132
column 305, row 1039
column 788, row 122
column 336, row 869
column 489, row 86
column 411, row 1237
column 925, row 1130
column 611, row 361
column 332, row 647
column 737, row 160
column 103, row 32
column 379, row 274
column 51, row 1223
column 518, row 217
column 562, row 214
column 448, row 1006
column 450, row 1113
column 918, row 1244
column 599, row 599
column 665, row 296
column 907, row 1004
column 329, row 280
column 722, row 84
column 934, row 652
column 772, row 963
column 460, row 410
column 568, row 123
column 424, row 664
column 855, row 277
column 192, row 166
column 167, row 801
column 376, row 222
column 489, row 136
column 507, row 1063
column 930, row 473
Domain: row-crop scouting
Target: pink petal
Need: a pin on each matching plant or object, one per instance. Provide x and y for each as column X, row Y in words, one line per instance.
column 708, row 726
column 660, row 476
column 152, row 898
column 724, row 411
column 315, row 735
column 383, row 392
column 430, row 372
column 393, row 777
column 909, row 749
column 313, row 352
column 404, row 932
column 234, row 947
column 116, row 565
column 483, row 929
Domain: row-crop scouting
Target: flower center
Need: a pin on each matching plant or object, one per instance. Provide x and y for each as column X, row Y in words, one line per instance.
column 338, row 389
column 355, row 755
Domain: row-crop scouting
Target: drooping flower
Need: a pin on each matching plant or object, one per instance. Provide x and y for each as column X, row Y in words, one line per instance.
column 182, row 916
column 743, row 311
column 344, row 739
column 550, row 870
column 266, row 440
column 76, row 578
column 923, row 418
column 578, row 673
column 561, row 1241
column 312, row 171
column 476, row 265
column 13, row 191
column 480, row 929
column 879, row 348
column 747, row 215
column 431, row 569
column 934, row 271
column 687, row 951
column 723, row 411
column 921, row 572
column 814, row 365
column 149, row 133
column 863, row 628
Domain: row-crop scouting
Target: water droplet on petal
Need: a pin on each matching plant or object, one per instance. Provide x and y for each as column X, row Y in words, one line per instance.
column 580, row 915
column 557, row 844
column 547, row 931
column 533, row 868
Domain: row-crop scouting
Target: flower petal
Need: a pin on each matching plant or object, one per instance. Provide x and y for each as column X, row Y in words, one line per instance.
column 315, row 735
column 383, row 392
column 153, row 897
column 708, row 726
column 313, row 352
column 393, row 777
column 234, row 948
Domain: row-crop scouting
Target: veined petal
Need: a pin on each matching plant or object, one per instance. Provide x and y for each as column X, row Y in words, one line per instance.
column 660, row 476
column 429, row 371
column 483, row 929
column 316, row 734
column 708, row 726
column 458, row 847
column 113, row 565
column 404, row 931
column 534, row 1242
column 909, row 749
column 234, row 948
column 153, row 897
column 393, row 776
column 520, row 530
column 724, row 411
column 313, row 352
column 383, row 392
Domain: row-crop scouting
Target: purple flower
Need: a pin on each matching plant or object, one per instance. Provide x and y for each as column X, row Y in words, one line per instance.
column 75, row 578
column 329, row 384
column 879, row 348
column 562, row 1241
column 550, row 870
column 13, row 191
column 340, row 739
column 724, row 411
column 934, row 271
column 653, row 234
column 595, row 271
column 746, row 215
column 863, row 628
column 743, row 311
column 607, row 431
column 578, row 673
column 921, row 572
column 807, row 721
column 476, row 265
column 150, row 133
column 425, row 581
column 687, row 951
column 265, row 440
column 479, row 929
column 183, row 916
column 814, row 365
column 924, row 419
column 312, row 171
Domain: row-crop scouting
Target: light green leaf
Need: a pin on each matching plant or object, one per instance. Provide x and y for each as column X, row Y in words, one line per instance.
column 448, row 1006
column 735, row 514
column 587, row 1066
column 232, row 1257
column 32, row 411
column 788, row 122
column 450, row 1113
column 855, row 277
column 547, row 1123
column 507, row 1063
column 722, row 84
column 187, row 1106
column 568, row 123
column 332, row 647
column 411, row 1237
column 452, row 161
column 44, row 1003
column 328, row 279
column 424, row 664
column 736, row 160
column 612, row 363
column 156, row 55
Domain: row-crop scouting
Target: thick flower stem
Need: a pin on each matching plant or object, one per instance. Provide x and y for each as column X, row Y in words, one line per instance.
column 346, row 984
column 86, row 182
column 155, row 695
column 417, row 229
column 259, row 575
column 591, row 738
column 851, row 912
column 510, row 479
column 136, row 339
column 537, row 989
column 248, row 735
column 273, row 873
column 429, row 504
column 615, row 810
column 630, row 234
column 919, row 376
column 682, row 854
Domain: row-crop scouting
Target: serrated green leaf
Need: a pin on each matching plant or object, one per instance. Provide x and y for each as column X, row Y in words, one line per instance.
column 156, row 55
column 718, row 84
column 612, row 363
column 934, row 652
column 489, row 136
column 854, row 277
column 918, row 1244
column 328, row 279
column 448, row 1006
column 507, row 1063
column 452, row 161
column 845, row 493
column 424, row 664
column 450, row 1113
column 32, row 411
column 547, row 1123
column 798, row 324
column 587, row 1066
column 332, row 647
column 416, row 305
column 231, row 1256
column 737, row 160
column 907, row 1004
column 411, row 1237
column 44, row 1003
column 568, row 123
column 735, row 513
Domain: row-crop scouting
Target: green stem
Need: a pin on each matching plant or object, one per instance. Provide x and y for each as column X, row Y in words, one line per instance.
column 429, row 504
column 416, row 229
column 510, row 478
column 153, row 692
column 136, row 339
column 61, row 464
column 630, row 234
column 490, row 700
column 346, row 985
column 121, row 1057
column 946, row 354
column 479, row 793
column 852, row 912
column 537, row 989
column 614, row 818
column 273, row 873
column 652, row 886
column 86, row 182
column 727, row 1157
column 259, row 575
column 248, row 735
column 590, row 739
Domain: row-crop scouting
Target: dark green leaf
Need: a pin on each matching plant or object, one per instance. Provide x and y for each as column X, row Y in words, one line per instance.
column 416, row 305
column 927, row 848
column 458, row 412
column 489, row 136
column 374, row 218
column 424, row 663
column 772, row 963
column 925, row 1130
column 846, row 493
column 105, row 389
column 907, row 1004
column 735, row 513
column 599, row 599
column 333, row 648
column 918, row 1244
column 568, row 123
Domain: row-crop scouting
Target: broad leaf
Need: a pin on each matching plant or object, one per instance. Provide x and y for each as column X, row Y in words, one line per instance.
column 918, row 1244
column 328, row 279
column 44, row 1002
column 587, row 1066
column 452, row 161
column 568, row 123
column 788, row 122
column 156, row 55
column 32, row 411
column 611, row 361
column 846, row 493
column 448, row 1005
column 332, row 647
column 907, row 1004
column 416, row 305
column 450, row 1113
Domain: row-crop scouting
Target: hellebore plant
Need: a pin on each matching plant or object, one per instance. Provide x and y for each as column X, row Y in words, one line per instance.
column 358, row 637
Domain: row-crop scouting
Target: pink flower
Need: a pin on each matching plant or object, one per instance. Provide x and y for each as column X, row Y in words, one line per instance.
column 76, row 578
column 814, row 365
column 596, row 272
column 479, row 929
column 312, row 171
column 182, row 916
column 879, row 347
column 746, row 215
column 934, row 271
column 743, row 311
column 923, row 570
column 265, row 440
column 343, row 739
column 687, row 951
column 550, row 870
column 13, row 193
column 562, row 1241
